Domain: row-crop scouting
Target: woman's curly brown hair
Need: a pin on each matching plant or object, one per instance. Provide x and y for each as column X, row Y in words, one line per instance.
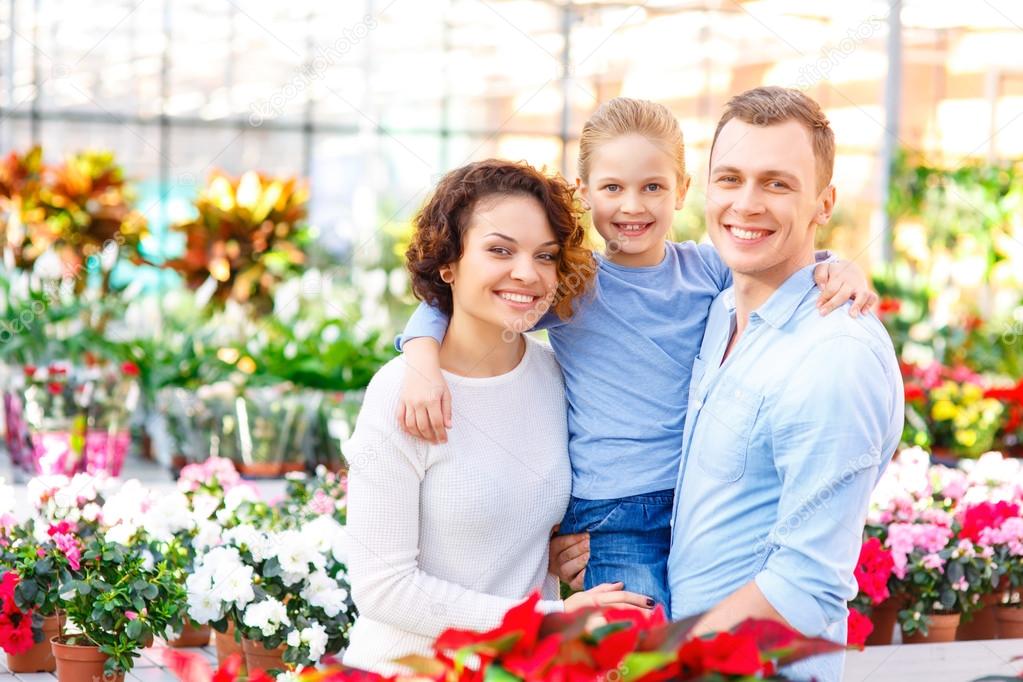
column 441, row 224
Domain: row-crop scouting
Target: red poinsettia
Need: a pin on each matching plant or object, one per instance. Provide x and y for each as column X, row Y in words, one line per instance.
column 982, row 515
column 859, row 629
column 190, row 667
column 873, row 570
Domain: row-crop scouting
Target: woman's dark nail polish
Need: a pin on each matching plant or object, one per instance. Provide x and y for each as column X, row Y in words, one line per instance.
column 649, row 601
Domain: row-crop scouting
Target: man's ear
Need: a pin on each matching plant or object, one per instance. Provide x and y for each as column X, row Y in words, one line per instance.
column 825, row 206
column 683, row 189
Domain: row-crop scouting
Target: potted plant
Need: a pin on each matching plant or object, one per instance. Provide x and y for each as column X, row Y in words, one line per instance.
column 118, row 598
column 286, row 592
column 873, row 572
column 941, row 575
column 33, row 570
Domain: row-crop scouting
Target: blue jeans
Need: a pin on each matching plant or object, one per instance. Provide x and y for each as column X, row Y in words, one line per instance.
column 629, row 541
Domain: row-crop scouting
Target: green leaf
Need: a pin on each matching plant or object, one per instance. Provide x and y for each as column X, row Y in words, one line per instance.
column 82, row 587
column 954, row 571
column 134, row 629
column 639, row 664
column 496, row 673
column 948, row 598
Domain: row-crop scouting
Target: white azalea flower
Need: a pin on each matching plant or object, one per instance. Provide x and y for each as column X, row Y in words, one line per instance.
column 323, row 592
column 295, row 554
column 203, row 505
column 267, row 616
column 314, row 636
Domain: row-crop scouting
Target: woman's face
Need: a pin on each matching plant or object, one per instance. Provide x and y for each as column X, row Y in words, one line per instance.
column 507, row 275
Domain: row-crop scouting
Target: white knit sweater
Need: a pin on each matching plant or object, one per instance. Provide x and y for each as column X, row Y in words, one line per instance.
column 454, row 535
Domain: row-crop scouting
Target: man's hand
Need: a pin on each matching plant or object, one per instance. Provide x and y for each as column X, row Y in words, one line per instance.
column 841, row 281
column 569, row 555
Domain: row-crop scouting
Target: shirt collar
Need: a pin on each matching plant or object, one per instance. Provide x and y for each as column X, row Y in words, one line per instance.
column 783, row 303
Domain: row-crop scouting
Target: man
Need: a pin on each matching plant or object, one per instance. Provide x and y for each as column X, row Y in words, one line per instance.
column 793, row 415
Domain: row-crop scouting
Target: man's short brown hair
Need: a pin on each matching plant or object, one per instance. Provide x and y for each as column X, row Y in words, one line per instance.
column 771, row 104
column 441, row 224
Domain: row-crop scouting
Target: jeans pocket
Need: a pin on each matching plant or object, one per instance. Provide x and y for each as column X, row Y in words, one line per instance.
column 590, row 516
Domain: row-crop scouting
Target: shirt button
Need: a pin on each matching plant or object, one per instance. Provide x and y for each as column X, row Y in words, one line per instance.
column 697, row 404
column 738, row 393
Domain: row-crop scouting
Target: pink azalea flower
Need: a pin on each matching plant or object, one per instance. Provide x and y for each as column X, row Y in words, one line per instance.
column 131, row 615
column 67, row 544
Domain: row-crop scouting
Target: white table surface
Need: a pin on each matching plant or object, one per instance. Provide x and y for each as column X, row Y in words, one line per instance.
column 952, row 662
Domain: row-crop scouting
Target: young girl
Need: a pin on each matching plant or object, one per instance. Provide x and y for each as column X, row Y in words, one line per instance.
column 627, row 354
column 453, row 535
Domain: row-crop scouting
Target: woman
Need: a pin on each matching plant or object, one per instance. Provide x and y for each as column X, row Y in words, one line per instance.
column 455, row 534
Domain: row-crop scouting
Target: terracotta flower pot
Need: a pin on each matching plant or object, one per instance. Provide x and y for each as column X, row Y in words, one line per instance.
column 884, row 617
column 1010, row 621
column 942, row 628
column 258, row 657
column 983, row 625
column 260, row 469
column 227, row 645
column 38, row 659
column 192, row 635
column 81, row 663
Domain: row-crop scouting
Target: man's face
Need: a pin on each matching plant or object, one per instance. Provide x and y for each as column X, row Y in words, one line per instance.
column 763, row 205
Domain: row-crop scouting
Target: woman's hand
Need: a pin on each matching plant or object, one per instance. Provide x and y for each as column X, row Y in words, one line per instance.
column 842, row 281
column 424, row 406
column 608, row 595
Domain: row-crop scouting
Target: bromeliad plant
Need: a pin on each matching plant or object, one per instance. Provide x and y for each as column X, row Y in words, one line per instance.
column 249, row 234
column 120, row 598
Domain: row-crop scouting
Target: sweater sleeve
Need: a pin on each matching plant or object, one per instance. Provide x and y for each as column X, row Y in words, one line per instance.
column 386, row 470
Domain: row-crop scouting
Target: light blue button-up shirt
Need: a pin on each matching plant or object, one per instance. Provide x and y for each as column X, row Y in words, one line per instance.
column 783, row 444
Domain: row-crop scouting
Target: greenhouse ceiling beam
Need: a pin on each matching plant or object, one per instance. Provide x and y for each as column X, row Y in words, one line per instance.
column 242, row 121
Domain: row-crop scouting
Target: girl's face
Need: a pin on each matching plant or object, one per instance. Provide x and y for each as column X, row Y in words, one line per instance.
column 508, row 272
column 633, row 192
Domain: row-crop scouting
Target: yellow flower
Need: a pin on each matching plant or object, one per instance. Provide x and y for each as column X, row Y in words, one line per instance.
column 972, row 393
column 247, row 365
column 967, row 438
column 943, row 411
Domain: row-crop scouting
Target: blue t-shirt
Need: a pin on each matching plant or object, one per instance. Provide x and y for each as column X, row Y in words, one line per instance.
column 627, row 356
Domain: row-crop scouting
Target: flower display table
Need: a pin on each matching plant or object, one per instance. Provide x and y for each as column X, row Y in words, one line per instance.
column 952, row 662
column 149, row 667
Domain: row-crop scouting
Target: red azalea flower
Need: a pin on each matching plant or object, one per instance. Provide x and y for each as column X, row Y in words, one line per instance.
column 61, row 527
column 30, row 371
column 55, row 388
column 860, row 628
column 914, row 392
column 129, row 368
column 889, row 306
column 977, row 517
column 17, row 639
column 873, row 570
column 7, row 585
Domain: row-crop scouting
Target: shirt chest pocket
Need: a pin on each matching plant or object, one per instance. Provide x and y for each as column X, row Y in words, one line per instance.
column 724, row 430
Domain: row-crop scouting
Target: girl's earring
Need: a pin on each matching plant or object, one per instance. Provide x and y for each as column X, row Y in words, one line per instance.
column 447, row 277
